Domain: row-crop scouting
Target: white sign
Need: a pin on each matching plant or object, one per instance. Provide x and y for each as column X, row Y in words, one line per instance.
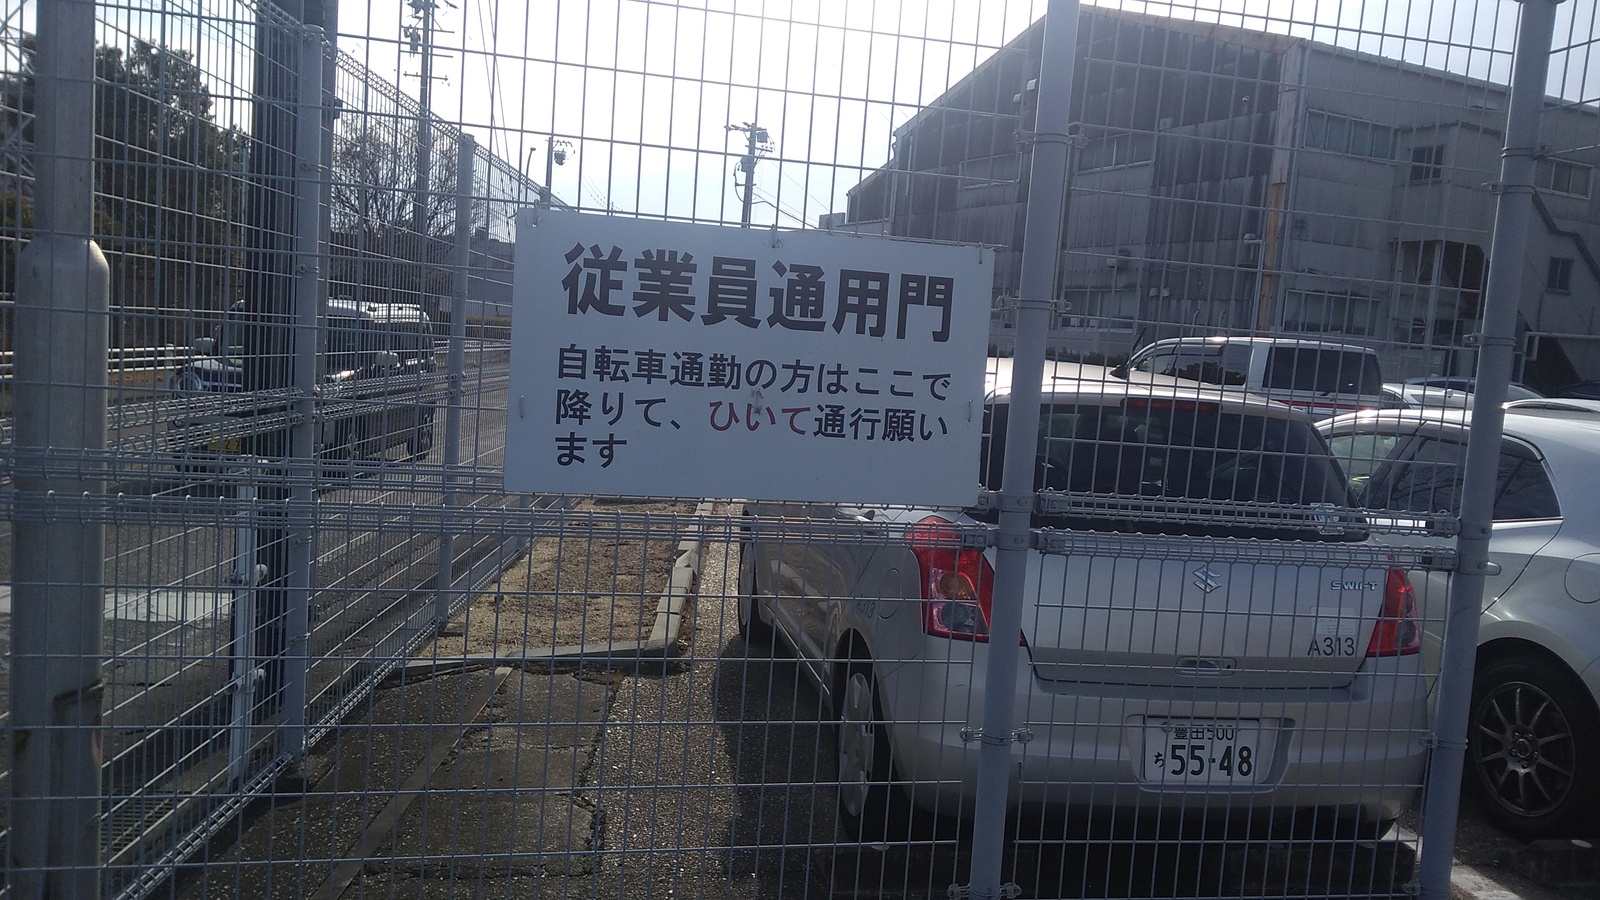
column 664, row 359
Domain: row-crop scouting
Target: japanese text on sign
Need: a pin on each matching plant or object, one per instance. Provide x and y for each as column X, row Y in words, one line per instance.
column 666, row 287
column 622, row 380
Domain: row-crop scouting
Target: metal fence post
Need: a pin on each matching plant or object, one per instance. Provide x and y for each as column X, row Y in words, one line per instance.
column 466, row 156
column 246, row 674
column 59, row 383
column 1041, row 243
column 1513, row 210
column 301, row 464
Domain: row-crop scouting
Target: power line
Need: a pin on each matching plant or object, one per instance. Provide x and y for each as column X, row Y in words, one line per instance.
column 826, row 207
column 781, row 210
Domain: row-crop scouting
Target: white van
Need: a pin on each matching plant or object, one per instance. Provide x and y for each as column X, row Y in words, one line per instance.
column 1322, row 378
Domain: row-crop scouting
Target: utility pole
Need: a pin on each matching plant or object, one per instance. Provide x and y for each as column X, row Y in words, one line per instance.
column 759, row 145
column 421, row 43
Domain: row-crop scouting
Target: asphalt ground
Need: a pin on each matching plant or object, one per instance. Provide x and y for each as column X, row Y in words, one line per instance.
column 628, row 771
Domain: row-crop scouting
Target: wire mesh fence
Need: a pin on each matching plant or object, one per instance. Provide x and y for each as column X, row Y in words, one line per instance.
column 360, row 547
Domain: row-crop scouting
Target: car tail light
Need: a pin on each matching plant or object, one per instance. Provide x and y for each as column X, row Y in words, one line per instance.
column 957, row 582
column 1398, row 632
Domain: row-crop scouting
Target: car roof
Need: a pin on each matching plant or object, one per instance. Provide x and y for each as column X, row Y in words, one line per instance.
column 1555, row 429
column 1272, row 341
column 381, row 312
column 1063, row 379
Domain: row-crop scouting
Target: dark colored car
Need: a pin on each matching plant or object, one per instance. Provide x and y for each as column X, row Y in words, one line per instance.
column 374, row 387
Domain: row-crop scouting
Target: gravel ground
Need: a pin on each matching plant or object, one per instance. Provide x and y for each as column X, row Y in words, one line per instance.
column 593, row 584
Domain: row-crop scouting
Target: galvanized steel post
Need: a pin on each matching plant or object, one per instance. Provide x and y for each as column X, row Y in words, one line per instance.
column 300, row 466
column 1441, row 801
column 1046, row 203
column 246, row 673
column 466, row 155
column 59, row 383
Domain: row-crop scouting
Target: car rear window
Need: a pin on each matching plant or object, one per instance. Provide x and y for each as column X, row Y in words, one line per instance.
column 1322, row 371
column 1429, row 480
column 1174, row 450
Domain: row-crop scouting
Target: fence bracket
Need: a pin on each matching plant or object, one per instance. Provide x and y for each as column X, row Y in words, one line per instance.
column 1008, row 891
column 971, row 733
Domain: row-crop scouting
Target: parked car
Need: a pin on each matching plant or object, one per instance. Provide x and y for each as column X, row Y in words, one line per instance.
column 1587, row 390
column 374, row 386
column 1402, row 395
column 1466, row 385
column 1534, row 732
column 1319, row 377
column 1219, row 640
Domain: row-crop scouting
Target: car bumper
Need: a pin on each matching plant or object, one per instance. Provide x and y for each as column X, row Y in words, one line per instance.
column 1359, row 749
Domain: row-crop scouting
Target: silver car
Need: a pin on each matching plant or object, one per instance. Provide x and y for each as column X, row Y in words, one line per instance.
column 1534, row 732
column 1208, row 633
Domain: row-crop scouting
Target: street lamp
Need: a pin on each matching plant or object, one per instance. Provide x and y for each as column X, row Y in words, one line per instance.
column 555, row 154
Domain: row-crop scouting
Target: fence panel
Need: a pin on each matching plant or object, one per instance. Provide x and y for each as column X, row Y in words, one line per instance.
column 370, row 628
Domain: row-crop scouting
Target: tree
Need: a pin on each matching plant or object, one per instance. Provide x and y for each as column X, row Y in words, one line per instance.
column 170, row 178
column 167, row 179
column 377, row 252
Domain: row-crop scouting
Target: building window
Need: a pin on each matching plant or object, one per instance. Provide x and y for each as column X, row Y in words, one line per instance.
column 1427, row 163
column 1116, row 151
column 1563, row 177
column 1351, row 137
column 1321, row 313
column 1558, row 277
column 988, row 171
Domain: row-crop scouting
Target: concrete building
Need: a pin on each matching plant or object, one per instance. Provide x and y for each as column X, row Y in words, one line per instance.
column 1232, row 180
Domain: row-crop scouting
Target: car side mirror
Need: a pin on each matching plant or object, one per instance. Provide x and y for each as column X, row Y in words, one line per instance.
column 387, row 359
column 1120, row 371
column 205, row 346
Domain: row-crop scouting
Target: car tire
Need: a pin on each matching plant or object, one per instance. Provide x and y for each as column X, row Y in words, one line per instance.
column 871, row 809
column 1533, row 749
column 420, row 441
column 758, row 635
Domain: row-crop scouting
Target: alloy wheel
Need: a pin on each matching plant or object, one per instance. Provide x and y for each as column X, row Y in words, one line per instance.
column 1524, row 749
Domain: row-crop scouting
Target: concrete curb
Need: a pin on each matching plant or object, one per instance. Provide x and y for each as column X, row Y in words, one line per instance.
column 1470, row 883
column 663, row 639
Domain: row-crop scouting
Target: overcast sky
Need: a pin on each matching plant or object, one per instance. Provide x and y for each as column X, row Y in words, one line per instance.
column 645, row 89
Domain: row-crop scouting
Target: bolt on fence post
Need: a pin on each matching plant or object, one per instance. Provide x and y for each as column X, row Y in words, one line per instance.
column 300, row 468
column 1042, row 240
column 59, row 383
column 466, row 157
column 1513, row 210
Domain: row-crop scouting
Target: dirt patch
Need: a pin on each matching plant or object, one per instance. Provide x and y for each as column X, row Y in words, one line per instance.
column 599, row 581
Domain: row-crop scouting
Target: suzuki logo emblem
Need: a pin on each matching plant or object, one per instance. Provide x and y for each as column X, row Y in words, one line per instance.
column 1207, row 579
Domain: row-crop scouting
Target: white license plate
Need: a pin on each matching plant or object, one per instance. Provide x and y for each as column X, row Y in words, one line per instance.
column 1206, row 751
